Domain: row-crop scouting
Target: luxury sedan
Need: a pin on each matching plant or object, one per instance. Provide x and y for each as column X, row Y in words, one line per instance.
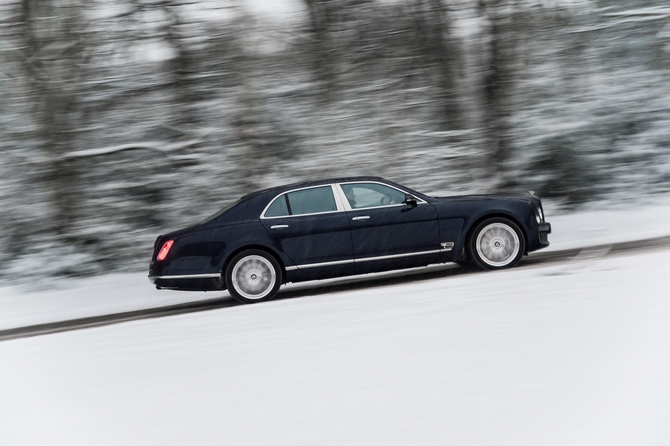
column 344, row 226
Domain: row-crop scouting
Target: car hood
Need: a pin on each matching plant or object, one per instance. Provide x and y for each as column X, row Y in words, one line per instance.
column 527, row 198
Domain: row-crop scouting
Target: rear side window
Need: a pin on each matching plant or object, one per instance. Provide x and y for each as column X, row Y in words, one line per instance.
column 316, row 200
column 278, row 208
column 311, row 201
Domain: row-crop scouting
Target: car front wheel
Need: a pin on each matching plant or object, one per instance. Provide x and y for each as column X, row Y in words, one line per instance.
column 253, row 276
column 496, row 243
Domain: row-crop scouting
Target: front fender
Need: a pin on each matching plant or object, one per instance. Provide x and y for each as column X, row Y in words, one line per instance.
column 458, row 217
column 520, row 213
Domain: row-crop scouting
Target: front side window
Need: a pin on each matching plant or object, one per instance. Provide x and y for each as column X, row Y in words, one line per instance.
column 368, row 195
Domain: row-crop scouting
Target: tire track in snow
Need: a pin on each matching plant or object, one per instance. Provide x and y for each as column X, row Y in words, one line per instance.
column 345, row 284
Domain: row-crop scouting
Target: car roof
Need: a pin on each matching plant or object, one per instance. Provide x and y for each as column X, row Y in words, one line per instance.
column 286, row 187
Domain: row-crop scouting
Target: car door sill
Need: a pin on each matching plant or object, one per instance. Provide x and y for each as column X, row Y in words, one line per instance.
column 366, row 259
column 187, row 276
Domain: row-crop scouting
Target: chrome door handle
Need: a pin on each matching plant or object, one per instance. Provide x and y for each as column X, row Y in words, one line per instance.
column 363, row 217
column 278, row 226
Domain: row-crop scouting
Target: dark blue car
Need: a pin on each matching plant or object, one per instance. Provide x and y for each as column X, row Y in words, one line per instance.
column 337, row 227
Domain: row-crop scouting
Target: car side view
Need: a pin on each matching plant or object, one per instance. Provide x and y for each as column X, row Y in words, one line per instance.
column 339, row 227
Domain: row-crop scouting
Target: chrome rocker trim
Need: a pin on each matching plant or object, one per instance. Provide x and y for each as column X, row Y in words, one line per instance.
column 187, row 276
column 446, row 248
column 316, row 265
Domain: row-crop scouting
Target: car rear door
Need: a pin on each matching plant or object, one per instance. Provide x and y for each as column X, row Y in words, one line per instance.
column 311, row 227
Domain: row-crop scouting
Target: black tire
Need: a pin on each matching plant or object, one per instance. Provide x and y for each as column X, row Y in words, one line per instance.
column 496, row 243
column 253, row 276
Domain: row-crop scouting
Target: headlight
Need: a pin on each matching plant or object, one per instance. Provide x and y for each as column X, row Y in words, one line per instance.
column 539, row 215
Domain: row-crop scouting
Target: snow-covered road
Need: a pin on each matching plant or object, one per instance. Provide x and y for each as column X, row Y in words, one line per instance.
column 571, row 353
column 67, row 299
column 557, row 354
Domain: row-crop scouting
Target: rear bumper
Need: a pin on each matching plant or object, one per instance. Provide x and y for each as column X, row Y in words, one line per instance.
column 191, row 282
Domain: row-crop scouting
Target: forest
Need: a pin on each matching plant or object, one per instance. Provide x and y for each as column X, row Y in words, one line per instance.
column 123, row 120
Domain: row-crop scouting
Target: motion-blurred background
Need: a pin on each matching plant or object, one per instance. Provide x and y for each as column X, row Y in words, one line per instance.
column 125, row 119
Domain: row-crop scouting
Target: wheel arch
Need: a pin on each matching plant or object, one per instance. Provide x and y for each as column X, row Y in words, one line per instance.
column 496, row 214
column 270, row 251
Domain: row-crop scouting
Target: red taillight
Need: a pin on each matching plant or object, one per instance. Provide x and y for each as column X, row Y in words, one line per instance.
column 162, row 254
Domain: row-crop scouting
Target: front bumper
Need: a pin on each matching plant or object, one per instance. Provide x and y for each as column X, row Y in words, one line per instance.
column 544, row 229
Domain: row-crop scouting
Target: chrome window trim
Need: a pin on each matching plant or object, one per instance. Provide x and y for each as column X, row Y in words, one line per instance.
column 338, row 202
column 348, row 207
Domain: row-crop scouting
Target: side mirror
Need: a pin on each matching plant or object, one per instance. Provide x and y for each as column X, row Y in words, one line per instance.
column 410, row 200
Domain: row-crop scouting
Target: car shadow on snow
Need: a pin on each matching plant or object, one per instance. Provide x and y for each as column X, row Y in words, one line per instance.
column 373, row 280
column 442, row 271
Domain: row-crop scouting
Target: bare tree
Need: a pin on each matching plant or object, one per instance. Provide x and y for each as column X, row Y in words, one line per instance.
column 183, row 65
column 498, row 80
column 55, row 53
column 325, row 19
column 321, row 18
column 433, row 30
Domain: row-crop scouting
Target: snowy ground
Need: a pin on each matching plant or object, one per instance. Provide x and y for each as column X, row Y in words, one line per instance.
column 560, row 354
column 114, row 293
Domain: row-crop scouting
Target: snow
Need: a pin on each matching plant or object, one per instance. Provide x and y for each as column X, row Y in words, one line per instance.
column 92, row 296
column 563, row 353
column 656, row 10
column 153, row 146
column 57, row 300
column 626, row 222
column 275, row 9
column 552, row 355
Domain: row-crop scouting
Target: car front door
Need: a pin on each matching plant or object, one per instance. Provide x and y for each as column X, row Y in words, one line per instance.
column 310, row 227
column 384, row 228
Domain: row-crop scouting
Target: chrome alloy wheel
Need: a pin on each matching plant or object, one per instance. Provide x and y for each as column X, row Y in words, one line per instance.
column 497, row 245
column 254, row 277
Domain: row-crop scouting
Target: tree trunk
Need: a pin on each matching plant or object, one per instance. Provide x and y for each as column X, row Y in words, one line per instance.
column 182, row 68
column 321, row 17
column 53, row 73
column 497, row 85
column 441, row 51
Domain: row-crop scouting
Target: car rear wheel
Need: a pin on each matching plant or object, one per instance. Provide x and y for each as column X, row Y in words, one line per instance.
column 253, row 276
column 496, row 243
